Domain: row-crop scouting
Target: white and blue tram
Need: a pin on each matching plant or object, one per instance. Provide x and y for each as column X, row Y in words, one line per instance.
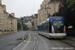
column 53, row 27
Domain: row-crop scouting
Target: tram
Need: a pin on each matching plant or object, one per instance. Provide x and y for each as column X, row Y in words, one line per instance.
column 53, row 27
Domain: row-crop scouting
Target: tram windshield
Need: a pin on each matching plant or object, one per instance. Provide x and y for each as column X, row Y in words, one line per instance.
column 58, row 23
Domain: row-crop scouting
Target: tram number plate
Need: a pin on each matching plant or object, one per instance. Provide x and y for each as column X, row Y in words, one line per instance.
column 58, row 36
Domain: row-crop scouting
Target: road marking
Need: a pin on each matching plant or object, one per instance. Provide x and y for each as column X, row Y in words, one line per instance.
column 56, row 42
column 35, row 45
column 47, row 48
column 23, row 48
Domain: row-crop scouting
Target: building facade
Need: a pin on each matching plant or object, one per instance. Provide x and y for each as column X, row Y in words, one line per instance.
column 8, row 22
column 35, row 21
column 47, row 9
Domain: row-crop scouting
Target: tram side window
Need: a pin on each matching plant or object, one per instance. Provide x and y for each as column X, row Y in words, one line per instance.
column 50, row 24
column 46, row 27
column 39, row 28
column 42, row 27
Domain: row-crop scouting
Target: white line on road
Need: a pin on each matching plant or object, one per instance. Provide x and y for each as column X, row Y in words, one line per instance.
column 37, row 43
column 23, row 48
column 35, row 46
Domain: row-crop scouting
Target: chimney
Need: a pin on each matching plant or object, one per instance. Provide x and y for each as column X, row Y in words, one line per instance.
column 4, row 7
column 13, row 14
column 0, row 2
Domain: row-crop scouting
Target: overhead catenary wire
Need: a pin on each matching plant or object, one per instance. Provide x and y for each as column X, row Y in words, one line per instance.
column 33, row 6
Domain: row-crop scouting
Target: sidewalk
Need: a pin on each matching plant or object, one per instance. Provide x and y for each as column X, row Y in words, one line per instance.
column 70, row 37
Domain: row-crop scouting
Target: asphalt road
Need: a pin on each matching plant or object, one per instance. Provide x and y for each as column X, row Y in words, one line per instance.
column 37, row 42
column 9, row 41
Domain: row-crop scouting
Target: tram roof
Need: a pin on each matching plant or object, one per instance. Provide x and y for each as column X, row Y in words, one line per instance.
column 56, row 18
column 50, row 19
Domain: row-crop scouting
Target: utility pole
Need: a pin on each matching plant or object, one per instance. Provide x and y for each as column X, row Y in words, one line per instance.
column 47, row 11
column 21, row 24
column 55, row 7
column 22, row 28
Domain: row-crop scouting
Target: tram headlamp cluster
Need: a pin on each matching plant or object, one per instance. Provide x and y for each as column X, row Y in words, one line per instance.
column 64, row 30
column 52, row 31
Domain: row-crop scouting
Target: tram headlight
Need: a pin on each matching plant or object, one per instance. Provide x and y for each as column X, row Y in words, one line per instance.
column 64, row 30
column 52, row 31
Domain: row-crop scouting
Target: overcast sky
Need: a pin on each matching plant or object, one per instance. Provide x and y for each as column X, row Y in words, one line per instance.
column 22, row 7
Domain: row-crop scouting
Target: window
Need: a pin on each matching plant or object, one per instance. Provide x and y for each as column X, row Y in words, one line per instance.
column 42, row 27
column 39, row 28
column 60, row 6
column 11, row 19
column 46, row 27
column 11, row 23
column 58, row 23
column 0, row 30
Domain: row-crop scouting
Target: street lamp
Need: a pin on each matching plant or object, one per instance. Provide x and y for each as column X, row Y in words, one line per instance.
column 47, row 10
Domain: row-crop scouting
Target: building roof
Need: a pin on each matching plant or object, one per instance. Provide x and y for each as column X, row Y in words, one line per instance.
column 56, row 18
column 35, row 15
column 5, row 12
column 10, row 16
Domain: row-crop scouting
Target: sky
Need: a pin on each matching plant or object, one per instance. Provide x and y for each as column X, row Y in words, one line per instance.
column 22, row 7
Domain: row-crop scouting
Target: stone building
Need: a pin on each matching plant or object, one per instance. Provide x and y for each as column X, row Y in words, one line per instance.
column 47, row 9
column 8, row 22
column 35, row 21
